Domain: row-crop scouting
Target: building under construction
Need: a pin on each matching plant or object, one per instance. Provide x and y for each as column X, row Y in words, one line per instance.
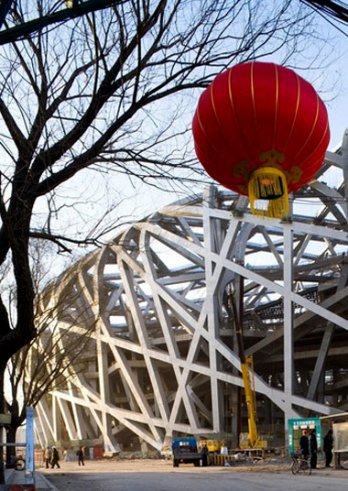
column 161, row 354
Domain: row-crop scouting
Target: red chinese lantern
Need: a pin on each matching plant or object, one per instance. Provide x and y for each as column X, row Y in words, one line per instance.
column 261, row 130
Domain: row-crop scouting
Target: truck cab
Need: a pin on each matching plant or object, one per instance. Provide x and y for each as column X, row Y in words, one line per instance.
column 185, row 451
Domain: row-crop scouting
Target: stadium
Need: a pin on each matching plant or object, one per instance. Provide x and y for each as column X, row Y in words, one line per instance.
column 160, row 351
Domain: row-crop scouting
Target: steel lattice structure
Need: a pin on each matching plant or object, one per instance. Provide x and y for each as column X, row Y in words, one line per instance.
column 162, row 357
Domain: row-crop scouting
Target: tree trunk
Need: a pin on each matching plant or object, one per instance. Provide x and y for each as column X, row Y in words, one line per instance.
column 2, row 410
column 11, row 450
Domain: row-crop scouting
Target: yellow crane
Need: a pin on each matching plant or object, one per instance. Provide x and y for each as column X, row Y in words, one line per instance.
column 247, row 367
column 247, row 371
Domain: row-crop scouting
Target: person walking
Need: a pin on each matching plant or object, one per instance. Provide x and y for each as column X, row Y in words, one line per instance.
column 55, row 458
column 80, row 456
column 314, row 449
column 304, row 444
column 47, row 457
column 205, row 453
column 328, row 446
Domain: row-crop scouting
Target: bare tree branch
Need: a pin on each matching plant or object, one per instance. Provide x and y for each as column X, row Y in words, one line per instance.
column 30, row 27
column 110, row 92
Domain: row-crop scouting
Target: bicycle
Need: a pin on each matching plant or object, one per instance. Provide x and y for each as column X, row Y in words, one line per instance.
column 19, row 463
column 300, row 464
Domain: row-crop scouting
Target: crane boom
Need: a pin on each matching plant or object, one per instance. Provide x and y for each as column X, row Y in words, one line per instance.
column 247, row 369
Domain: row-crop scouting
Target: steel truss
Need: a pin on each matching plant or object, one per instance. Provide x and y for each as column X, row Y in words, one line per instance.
column 162, row 356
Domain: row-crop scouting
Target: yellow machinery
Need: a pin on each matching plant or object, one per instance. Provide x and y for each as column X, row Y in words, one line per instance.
column 253, row 439
column 214, row 446
column 250, row 400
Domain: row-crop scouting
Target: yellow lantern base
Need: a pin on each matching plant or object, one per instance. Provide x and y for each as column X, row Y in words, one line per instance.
column 268, row 193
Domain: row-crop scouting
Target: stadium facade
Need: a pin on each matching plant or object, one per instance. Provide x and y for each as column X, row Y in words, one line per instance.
column 161, row 355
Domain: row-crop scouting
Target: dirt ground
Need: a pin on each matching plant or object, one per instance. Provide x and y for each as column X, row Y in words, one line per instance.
column 134, row 474
column 160, row 475
column 161, row 465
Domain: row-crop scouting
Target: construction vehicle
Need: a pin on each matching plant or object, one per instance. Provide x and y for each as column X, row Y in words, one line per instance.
column 252, row 440
column 213, row 445
column 185, row 451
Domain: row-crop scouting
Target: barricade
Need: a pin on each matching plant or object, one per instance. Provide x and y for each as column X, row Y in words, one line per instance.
column 218, row 459
column 253, row 453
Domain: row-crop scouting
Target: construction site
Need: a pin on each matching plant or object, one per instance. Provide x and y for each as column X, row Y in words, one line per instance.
column 166, row 307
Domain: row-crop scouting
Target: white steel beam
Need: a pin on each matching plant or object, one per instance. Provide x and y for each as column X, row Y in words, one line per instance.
column 161, row 357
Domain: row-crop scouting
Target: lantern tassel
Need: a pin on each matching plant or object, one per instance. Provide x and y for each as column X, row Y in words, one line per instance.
column 268, row 193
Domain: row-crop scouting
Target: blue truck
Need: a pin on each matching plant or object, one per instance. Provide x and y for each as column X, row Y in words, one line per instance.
column 185, row 451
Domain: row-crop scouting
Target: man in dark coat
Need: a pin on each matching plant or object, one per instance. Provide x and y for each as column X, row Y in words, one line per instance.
column 304, row 444
column 328, row 445
column 314, row 449
column 80, row 456
column 55, row 458
column 205, row 453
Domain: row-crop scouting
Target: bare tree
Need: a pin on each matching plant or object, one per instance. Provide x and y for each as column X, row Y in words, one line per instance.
column 111, row 92
column 56, row 12
column 43, row 365
column 62, row 335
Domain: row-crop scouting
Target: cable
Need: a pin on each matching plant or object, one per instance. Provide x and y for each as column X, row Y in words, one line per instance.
column 337, row 10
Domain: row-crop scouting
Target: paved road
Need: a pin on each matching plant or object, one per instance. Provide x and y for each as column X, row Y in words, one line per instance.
column 160, row 476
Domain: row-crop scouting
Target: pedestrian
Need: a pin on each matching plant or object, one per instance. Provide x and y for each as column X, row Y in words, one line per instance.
column 304, row 444
column 205, row 453
column 80, row 456
column 328, row 446
column 55, row 458
column 47, row 457
column 314, row 449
